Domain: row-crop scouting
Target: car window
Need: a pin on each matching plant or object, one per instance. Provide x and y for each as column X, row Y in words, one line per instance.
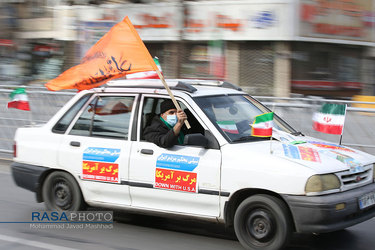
column 62, row 125
column 106, row 116
column 234, row 114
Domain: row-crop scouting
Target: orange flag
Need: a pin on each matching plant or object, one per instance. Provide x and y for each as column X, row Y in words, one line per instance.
column 119, row 52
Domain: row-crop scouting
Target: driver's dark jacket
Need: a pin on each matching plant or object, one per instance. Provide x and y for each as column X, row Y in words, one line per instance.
column 160, row 134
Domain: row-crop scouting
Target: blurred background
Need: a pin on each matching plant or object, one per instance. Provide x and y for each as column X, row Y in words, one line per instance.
column 268, row 47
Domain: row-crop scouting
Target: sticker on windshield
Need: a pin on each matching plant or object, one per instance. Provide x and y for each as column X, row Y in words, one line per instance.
column 301, row 153
column 176, row 180
column 228, row 126
column 177, row 162
column 329, row 146
column 99, row 164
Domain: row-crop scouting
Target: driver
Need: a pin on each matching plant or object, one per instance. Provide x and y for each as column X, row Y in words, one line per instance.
column 165, row 129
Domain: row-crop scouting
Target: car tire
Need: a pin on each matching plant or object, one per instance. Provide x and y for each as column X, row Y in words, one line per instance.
column 262, row 222
column 61, row 192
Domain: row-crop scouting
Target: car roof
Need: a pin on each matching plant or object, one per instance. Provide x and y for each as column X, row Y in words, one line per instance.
column 192, row 87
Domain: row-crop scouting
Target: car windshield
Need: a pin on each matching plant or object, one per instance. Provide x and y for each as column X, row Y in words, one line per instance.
column 233, row 114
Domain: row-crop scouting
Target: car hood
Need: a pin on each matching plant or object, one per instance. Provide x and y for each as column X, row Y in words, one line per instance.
column 319, row 155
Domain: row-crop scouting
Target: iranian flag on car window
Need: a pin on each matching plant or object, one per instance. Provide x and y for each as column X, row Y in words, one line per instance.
column 228, row 126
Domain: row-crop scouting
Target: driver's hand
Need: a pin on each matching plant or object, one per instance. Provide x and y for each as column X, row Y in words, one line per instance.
column 181, row 116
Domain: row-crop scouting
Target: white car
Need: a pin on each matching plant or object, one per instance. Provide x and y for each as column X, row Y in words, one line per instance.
column 92, row 152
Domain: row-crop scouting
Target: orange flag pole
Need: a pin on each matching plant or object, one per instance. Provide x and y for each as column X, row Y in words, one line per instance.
column 151, row 61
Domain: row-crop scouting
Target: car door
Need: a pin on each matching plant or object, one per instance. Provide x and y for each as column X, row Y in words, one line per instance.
column 96, row 148
column 183, row 179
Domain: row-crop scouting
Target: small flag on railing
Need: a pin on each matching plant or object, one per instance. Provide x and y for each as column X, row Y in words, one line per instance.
column 18, row 99
column 330, row 118
column 262, row 125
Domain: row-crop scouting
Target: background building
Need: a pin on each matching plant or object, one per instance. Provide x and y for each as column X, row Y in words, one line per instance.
column 268, row 47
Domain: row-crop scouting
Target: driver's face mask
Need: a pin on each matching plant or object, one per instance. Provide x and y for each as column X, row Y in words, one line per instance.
column 172, row 119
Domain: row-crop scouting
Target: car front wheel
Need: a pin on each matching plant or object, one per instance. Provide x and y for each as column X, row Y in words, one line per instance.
column 61, row 192
column 262, row 222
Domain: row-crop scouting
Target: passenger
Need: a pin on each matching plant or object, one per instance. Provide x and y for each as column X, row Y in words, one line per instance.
column 165, row 130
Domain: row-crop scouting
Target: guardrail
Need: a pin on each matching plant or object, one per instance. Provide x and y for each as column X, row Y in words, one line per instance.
column 359, row 122
column 309, row 102
column 359, row 127
column 314, row 102
column 44, row 104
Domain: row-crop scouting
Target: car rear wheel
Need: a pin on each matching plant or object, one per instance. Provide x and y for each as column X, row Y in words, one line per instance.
column 262, row 222
column 61, row 192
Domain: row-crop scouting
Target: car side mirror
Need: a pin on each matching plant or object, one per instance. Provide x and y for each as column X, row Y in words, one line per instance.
column 196, row 140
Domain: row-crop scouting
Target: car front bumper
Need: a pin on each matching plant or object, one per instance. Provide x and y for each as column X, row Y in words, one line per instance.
column 319, row 214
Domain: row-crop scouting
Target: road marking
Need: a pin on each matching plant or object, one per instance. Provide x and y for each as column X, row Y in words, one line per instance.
column 33, row 243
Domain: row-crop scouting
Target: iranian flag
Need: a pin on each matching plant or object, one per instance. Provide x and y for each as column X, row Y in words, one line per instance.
column 228, row 126
column 330, row 118
column 262, row 125
column 146, row 74
column 19, row 100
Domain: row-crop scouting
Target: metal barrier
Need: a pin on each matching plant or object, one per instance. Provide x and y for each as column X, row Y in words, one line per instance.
column 43, row 104
column 359, row 126
column 359, row 122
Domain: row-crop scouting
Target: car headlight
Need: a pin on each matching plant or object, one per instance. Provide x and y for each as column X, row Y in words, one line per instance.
column 322, row 183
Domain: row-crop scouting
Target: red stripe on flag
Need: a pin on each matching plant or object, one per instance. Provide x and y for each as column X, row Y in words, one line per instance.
column 19, row 105
column 328, row 129
column 151, row 76
column 262, row 132
column 232, row 131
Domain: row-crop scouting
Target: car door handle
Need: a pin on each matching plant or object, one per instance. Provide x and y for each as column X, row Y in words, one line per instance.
column 147, row 151
column 75, row 143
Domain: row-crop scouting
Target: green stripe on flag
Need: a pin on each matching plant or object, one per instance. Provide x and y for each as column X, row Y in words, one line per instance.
column 331, row 108
column 156, row 60
column 264, row 118
column 17, row 92
column 225, row 122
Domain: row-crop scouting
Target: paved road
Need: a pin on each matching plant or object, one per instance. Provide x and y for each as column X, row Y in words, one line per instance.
column 141, row 232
